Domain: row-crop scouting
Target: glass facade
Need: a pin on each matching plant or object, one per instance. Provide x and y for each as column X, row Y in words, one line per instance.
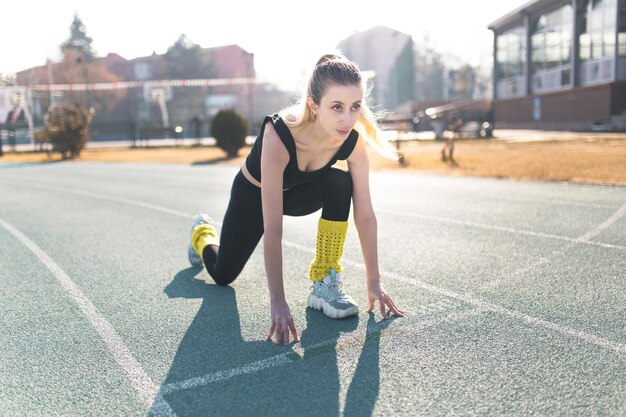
column 597, row 40
column 551, row 49
column 536, row 48
column 511, row 62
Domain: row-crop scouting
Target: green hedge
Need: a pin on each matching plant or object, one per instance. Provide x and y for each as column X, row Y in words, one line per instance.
column 229, row 129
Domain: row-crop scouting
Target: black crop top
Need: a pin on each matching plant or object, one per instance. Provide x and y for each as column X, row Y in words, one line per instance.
column 292, row 175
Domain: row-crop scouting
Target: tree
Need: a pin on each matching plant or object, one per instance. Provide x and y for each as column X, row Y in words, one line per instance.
column 67, row 129
column 430, row 71
column 79, row 44
column 185, row 59
column 229, row 129
column 462, row 82
column 469, row 82
column 81, row 65
column 74, row 70
column 79, row 41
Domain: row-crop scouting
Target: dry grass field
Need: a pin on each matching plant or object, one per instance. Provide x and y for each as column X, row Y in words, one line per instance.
column 597, row 159
column 592, row 161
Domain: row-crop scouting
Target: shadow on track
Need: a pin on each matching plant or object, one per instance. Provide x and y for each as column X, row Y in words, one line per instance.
column 365, row 386
column 216, row 160
column 216, row 372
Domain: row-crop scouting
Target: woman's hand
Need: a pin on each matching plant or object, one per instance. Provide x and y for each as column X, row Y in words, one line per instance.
column 377, row 293
column 282, row 324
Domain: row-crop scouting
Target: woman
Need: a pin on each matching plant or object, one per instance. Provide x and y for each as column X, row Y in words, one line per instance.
column 289, row 172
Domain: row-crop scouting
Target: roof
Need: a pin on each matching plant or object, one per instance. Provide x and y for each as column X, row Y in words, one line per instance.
column 516, row 16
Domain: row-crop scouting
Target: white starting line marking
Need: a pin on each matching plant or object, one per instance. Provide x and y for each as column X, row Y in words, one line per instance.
column 295, row 355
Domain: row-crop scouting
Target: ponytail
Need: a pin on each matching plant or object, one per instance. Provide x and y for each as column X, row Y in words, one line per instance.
column 369, row 128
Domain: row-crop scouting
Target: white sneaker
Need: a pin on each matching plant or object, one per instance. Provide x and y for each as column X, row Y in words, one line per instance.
column 327, row 295
column 194, row 258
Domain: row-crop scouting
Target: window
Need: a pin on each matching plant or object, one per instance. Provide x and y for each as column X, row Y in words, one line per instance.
column 551, row 49
column 598, row 25
column 511, row 53
column 511, row 62
column 551, row 39
column 142, row 71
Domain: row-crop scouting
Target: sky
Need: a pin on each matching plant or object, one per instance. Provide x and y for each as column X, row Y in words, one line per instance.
column 286, row 36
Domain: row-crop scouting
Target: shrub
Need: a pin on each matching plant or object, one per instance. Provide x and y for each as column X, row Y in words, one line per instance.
column 229, row 129
column 67, row 129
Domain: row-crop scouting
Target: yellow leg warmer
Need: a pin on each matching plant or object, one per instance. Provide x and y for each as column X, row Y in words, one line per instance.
column 204, row 235
column 331, row 236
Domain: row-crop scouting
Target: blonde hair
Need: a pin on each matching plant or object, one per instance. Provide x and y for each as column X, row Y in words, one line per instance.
column 335, row 69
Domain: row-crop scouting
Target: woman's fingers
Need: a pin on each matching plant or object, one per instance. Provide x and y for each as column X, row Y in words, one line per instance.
column 394, row 308
column 294, row 332
column 272, row 329
column 282, row 331
column 381, row 301
column 278, row 336
column 385, row 301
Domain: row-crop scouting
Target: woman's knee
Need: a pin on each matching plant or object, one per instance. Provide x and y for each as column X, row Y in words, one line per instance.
column 224, row 273
column 224, row 279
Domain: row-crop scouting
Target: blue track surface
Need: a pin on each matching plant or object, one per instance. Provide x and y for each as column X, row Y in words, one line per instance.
column 515, row 294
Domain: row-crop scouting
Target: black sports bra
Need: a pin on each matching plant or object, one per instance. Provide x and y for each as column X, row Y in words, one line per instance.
column 293, row 176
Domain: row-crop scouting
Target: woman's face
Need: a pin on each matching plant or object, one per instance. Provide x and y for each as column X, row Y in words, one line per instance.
column 339, row 109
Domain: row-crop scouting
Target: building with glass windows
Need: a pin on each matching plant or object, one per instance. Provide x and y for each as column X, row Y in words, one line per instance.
column 561, row 64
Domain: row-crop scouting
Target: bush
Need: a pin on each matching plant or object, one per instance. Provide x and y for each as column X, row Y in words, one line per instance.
column 67, row 129
column 229, row 129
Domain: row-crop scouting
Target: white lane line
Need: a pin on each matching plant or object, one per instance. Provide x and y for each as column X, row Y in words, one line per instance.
column 587, row 337
column 499, row 228
column 178, row 213
column 554, row 202
column 549, row 202
column 605, row 225
column 298, row 351
column 582, row 239
column 250, row 368
column 487, row 306
column 599, row 341
column 215, row 185
column 543, row 260
column 107, row 197
column 140, row 380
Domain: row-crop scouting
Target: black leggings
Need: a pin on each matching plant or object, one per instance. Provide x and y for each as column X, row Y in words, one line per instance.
column 242, row 227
